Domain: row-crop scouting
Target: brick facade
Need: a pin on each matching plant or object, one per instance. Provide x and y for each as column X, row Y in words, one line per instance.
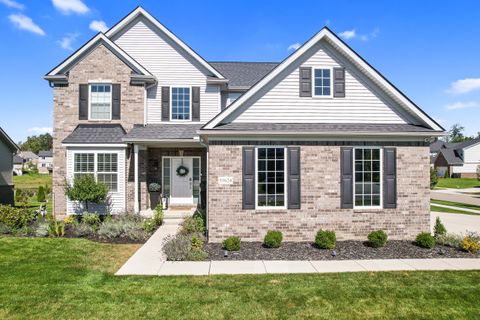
column 320, row 199
column 100, row 64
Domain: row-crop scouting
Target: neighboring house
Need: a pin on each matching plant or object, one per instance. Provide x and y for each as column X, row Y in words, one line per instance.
column 18, row 163
column 28, row 158
column 320, row 140
column 8, row 149
column 457, row 160
column 45, row 161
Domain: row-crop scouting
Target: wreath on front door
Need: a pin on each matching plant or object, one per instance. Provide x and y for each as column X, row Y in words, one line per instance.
column 182, row 171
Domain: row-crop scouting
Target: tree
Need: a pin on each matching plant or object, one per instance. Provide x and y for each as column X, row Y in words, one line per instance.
column 456, row 133
column 86, row 190
column 433, row 178
column 478, row 172
column 37, row 143
column 41, row 194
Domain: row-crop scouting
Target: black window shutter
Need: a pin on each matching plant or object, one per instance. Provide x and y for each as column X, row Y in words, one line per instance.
column 346, row 176
column 305, row 82
column 196, row 103
column 389, row 178
column 339, row 82
column 83, row 102
column 116, row 93
column 248, row 183
column 293, row 172
column 165, row 103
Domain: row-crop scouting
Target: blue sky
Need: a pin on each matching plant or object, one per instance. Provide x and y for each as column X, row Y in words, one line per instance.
column 428, row 49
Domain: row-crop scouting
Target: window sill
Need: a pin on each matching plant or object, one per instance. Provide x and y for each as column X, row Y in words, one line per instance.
column 271, row 210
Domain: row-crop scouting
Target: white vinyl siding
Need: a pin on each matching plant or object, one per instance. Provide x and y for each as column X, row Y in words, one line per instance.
column 471, row 159
column 281, row 103
column 171, row 68
column 105, row 169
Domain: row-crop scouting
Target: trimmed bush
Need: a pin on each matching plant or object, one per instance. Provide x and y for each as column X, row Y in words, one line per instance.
column 83, row 230
column 41, row 194
column 196, row 241
column 194, row 224
column 377, row 239
column 439, row 229
column 326, row 239
column 196, row 255
column 123, row 227
column 273, row 239
column 451, row 240
column 177, row 248
column 15, row 218
column 149, row 225
column 425, row 240
column 232, row 244
column 4, row 229
column 41, row 228
column 471, row 242
column 433, row 178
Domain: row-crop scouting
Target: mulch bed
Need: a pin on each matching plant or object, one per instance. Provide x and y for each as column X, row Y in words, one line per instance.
column 345, row 250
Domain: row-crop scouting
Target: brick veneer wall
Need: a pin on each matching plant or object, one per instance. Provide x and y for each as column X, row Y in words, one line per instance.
column 100, row 64
column 320, row 195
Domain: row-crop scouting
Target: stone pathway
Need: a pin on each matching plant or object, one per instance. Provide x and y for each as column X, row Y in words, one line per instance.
column 198, row 268
column 149, row 258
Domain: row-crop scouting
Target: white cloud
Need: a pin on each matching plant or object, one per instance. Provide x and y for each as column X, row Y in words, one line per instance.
column 70, row 6
column 348, row 34
column 13, row 4
column 25, row 23
column 294, row 46
column 462, row 105
column 98, row 26
column 352, row 34
column 67, row 41
column 464, row 85
column 40, row 130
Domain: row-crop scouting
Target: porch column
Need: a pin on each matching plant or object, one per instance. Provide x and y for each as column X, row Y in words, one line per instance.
column 136, row 207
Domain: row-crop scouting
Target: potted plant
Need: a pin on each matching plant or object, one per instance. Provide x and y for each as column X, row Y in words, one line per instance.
column 154, row 189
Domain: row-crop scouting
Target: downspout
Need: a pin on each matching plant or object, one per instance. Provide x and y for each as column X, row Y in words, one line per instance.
column 206, row 186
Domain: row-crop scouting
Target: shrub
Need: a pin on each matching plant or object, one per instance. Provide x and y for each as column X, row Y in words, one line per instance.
column 149, row 225
column 433, row 178
column 439, row 229
column 56, row 228
column 123, row 227
column 92, row 219
column 20, row 196
column 86, row 189
column 41, row 194
column 325, row 239
column 232, row 244
column 196, row 255
column 478, row 172
column 177, row 248
column 82, row 230
column 450, row 239
column 377, row 239
column 70, row 219
column 41, row 228
column 4, row 229
column 15, row 218
column 196, row 241
column 194, row 224
column 425, row 240
column 158, row 215
column 273, row 239
column 471, row 242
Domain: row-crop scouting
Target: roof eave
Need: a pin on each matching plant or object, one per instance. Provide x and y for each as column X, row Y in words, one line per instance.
column 319, row 133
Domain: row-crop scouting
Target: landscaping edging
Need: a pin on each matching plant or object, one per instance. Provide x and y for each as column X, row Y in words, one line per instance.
column 345, row 250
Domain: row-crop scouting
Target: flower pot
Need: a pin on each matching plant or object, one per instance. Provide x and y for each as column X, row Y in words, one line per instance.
column 154, row 199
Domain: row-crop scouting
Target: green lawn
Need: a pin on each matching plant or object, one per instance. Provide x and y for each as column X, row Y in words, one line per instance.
column 456, row 204
column 72, row 279
column 32, row 181
column 458, row 183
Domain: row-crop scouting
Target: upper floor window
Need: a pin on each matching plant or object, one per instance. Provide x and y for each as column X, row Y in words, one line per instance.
column 100, row 101
column 322, row 82
column 181, row 103
column 367, row 177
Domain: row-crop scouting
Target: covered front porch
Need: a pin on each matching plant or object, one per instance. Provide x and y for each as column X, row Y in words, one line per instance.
column 169, row 170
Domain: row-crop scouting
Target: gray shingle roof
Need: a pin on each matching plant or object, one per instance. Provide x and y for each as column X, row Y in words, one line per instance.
column 45, row 153
column 466, row 144
column 451, row 156
column 162, row 132
column 96, row 133
column 243, row 74
column 9, row 142
column 17, row 159
column 324, row 127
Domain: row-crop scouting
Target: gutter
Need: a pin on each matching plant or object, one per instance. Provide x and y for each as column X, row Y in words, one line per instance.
column 319, row 133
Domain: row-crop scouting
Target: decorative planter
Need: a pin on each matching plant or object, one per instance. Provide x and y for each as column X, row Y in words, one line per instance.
column 154, row 199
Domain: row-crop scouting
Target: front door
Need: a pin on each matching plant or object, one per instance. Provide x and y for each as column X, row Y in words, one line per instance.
column 181, row 181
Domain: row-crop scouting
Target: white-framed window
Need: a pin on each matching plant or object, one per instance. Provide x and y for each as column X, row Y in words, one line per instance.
column 100, row 101
column 232, row 96
column 322, row 82
column 180, row 104
column 271, row 177
column 367, row 177
column 103, row 166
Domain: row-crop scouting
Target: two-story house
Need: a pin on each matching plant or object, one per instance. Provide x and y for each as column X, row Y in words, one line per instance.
column 319, row 140
column 45, row 161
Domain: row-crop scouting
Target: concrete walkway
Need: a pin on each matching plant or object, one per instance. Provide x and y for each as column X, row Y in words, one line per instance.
column 457, row 223
column 198, row 268
column 149, row 258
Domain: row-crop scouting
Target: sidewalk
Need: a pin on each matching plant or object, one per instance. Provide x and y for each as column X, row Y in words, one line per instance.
column 456, row 208
column 455, row 195
column 197, row 268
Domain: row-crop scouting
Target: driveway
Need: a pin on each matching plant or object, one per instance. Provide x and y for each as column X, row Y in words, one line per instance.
column 457, row 223
column 470, row 196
